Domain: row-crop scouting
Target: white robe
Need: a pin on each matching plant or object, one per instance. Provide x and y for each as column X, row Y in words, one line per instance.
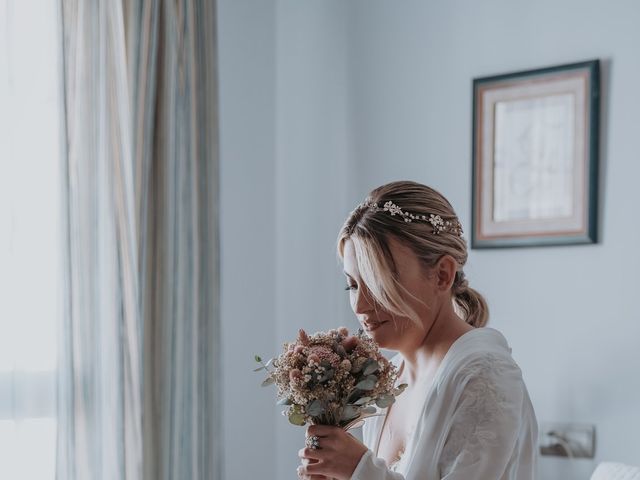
column 477, row 421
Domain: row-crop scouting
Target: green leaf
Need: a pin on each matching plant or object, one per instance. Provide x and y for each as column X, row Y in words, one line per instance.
column 370, row 367
column 268, row 381
column 284, row 401
column 367, row 383
column 355, row 368
column 296, row 418
column 399, row 389
column 384, row 401
column 349, row 413
column 368, row 410
column 258, row 359
column 327, row 375
column 315, row 408
column 362, row 401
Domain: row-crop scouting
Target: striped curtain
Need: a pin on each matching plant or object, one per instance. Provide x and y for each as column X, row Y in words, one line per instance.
column 139, row 351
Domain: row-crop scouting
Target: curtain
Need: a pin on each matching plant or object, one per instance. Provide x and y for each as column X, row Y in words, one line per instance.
column 139, row 341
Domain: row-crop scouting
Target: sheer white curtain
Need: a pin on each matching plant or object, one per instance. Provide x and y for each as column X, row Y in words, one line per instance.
column 30, row 244
column 139, row 357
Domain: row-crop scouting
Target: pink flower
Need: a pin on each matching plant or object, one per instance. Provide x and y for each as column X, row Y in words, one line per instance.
column 350, row 343
column 324, row 353
column 346, row 365
column 343, row 331
column 298, row 349
column 295, row 374
column 303, row 338
column 313, row 358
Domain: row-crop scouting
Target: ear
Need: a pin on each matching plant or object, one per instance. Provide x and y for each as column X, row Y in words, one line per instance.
column 445, row 270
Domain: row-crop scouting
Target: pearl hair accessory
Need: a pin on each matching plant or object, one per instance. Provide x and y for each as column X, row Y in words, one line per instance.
column 439, row 224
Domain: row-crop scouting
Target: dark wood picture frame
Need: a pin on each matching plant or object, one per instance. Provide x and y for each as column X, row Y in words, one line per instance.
column 535, row 157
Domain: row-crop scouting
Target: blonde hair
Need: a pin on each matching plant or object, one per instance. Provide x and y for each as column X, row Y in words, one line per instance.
column 370, row 231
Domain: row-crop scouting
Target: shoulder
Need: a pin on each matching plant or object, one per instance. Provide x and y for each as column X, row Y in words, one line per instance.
column 482, row 362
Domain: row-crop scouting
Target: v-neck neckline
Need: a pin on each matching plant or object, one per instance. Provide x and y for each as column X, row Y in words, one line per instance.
column 435, row 381
column 409, row 441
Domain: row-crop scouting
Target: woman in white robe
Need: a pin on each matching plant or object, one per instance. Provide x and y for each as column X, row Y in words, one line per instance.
column 477, row 421
column 466, row 414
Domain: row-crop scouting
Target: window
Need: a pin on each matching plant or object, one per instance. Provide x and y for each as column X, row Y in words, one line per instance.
column 30, row 247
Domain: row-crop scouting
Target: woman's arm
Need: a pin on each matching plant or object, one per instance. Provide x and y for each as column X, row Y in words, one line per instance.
column 491, row 435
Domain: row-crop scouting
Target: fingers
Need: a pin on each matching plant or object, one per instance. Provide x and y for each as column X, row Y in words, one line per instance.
column 315, row 454
column 311, row 477
column 322, row 430
column 318, row 468
column 305, row 476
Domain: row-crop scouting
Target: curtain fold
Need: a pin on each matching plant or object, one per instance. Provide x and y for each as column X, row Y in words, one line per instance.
column 139, row 343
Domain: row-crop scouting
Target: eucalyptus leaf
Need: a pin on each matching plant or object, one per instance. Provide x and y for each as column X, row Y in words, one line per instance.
column 399, row 389
column 356, row 368
column 355, row 396
column 296, row 418
column 368, row 383
column 384, row 401
column 315, row 408
column 284, row 401
column 362, row 401
column 368, row 410
column 268, row 381
column 349, row 413
column 327, row 375
column 371, row 367
column 258, row 359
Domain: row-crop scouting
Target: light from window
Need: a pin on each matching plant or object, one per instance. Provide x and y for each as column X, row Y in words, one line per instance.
column 30, row 247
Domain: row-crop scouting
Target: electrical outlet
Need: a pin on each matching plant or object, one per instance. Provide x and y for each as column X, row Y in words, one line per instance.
column 572, row 440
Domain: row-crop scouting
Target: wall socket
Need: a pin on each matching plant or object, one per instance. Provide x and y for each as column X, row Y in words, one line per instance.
column 571, row 440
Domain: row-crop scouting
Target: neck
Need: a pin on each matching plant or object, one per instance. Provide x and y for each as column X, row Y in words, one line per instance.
column 424, row 358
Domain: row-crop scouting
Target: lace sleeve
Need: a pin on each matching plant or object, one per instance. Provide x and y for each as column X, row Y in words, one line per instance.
column 486, row 421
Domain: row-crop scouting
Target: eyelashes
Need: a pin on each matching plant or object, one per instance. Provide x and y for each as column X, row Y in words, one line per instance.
column 350, row 287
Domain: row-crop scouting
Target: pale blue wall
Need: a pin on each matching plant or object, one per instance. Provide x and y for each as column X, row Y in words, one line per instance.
column 570, row 313
column 323, row 100
column 284, row 177
column 246, row 45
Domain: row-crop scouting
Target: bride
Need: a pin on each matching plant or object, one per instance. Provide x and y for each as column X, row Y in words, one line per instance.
column 466, row 414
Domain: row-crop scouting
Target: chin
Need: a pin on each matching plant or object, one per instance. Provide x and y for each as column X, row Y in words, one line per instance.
column 383, row 335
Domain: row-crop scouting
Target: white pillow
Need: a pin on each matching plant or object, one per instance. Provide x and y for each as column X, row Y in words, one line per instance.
column 615, row 471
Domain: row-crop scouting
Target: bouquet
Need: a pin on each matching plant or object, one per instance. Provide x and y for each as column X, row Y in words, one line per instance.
column 331, row 378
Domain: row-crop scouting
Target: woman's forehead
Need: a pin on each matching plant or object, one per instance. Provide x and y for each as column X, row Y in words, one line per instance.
column 402, row 256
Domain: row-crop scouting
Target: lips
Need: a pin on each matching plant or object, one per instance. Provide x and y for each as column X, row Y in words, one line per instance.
column 371, row 326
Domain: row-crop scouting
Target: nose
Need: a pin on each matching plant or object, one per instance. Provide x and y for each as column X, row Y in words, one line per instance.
column 362, row 301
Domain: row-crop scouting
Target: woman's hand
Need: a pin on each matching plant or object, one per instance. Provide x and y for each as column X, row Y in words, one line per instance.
column 337, row 455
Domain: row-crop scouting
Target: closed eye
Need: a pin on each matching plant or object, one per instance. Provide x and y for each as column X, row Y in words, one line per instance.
column 351, row 287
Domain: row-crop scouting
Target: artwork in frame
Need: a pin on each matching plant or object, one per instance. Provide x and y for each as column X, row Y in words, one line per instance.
column 535, row 157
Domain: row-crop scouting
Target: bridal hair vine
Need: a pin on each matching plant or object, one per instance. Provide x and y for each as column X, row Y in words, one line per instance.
column 452, row 226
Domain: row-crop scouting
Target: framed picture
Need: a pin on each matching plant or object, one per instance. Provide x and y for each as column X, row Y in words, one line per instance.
column 535, row 157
